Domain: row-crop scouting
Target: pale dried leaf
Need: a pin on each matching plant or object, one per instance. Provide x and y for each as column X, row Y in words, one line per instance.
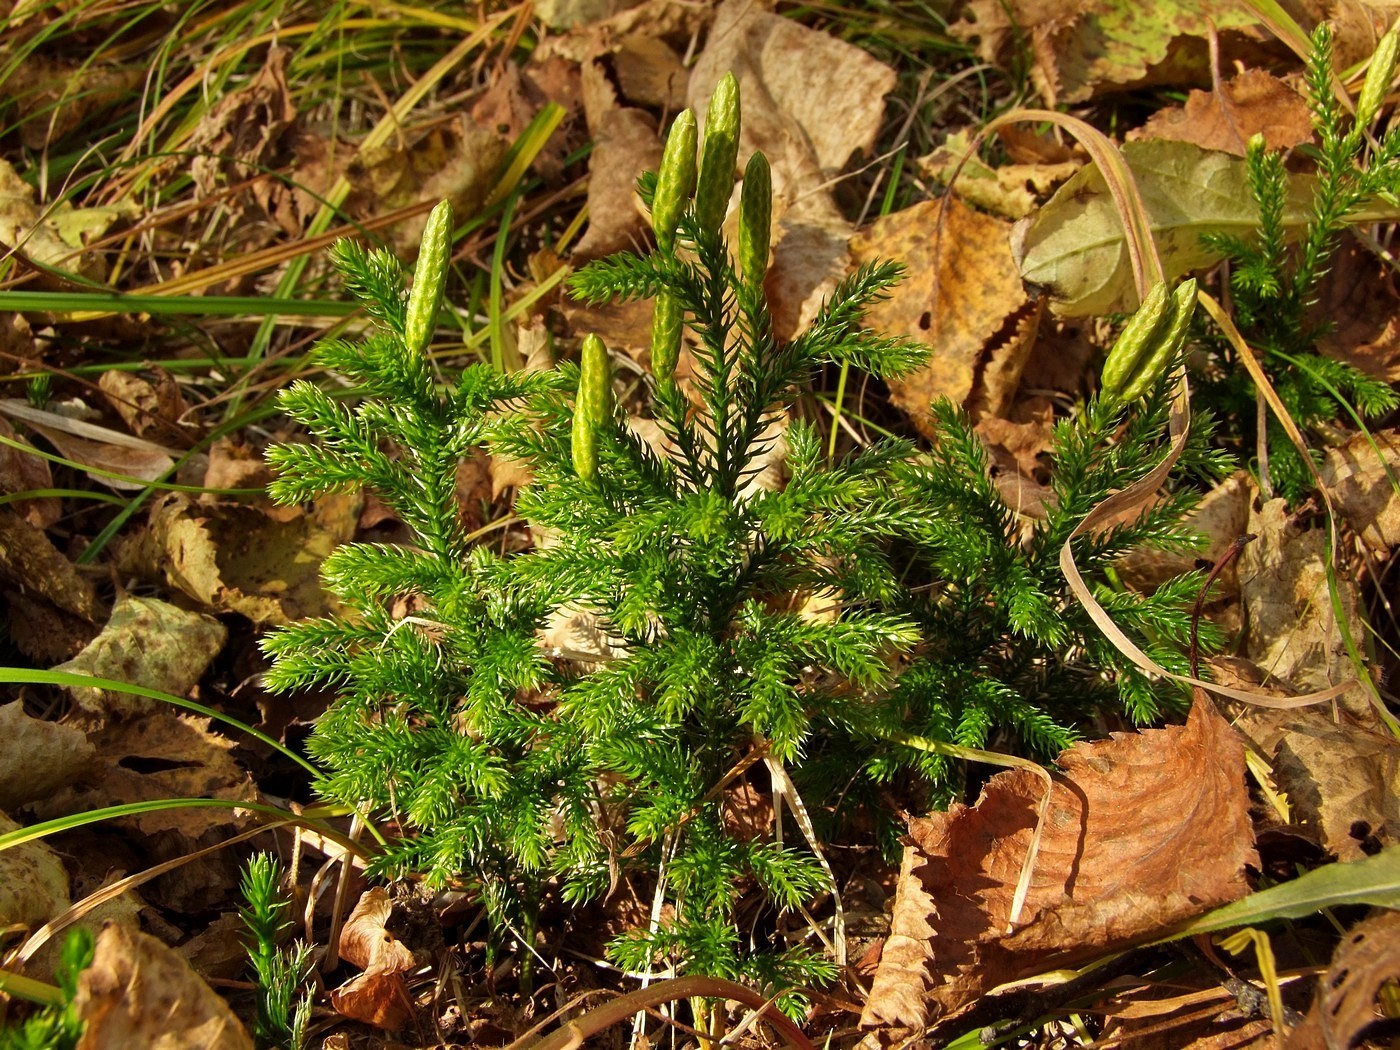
column 1293, row 634
column 1363, row 478
column 150, row 643
column 39, row 757
column 379, row 995
column 160, row 755
column 138, row 992
column 1011, row 191
column 143, row 404
column 1342, row 782
column 33, row 882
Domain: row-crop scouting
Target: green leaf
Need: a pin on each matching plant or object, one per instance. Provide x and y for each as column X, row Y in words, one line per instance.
column 1374, row 881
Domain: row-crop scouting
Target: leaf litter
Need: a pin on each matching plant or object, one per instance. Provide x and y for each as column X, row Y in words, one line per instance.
column 1145, row 830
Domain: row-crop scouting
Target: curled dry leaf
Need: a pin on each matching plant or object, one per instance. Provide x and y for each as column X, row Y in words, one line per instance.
column 150, row 643
column 30, row 562
column 138, row 992
column 33, row 882
column 1143, row 831
column 379, row 995
column 1349, row 1009
column 144, row 404
column 39, row 757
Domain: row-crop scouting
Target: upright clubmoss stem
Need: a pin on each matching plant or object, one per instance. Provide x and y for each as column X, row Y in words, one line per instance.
column 429, row 280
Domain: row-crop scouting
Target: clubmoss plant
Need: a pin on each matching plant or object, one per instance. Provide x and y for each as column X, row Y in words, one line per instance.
column 281, row 973
column 729, row 644
column 56, row 1026
column 753, row 640
column 1275, row 276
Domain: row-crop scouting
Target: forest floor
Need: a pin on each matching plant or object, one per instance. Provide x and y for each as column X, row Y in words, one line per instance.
column 171, row 177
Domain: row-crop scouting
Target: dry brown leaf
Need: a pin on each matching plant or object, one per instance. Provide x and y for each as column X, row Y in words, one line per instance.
column 651, row 73
column 161, row 755
column 1292, row 633
column 139, row 993
column 1143, row 831
column 39, row 757
column 625, row 144
column 1363, row 478
column 1358, row 300
column 961, row 294
column 1252, row 103
column 1349, row 1008
column 150, row 643
column 241, row 135
column 30, row 562
column 379, row 995
column 1342, row 782
column 102, row 448
column 33, row 882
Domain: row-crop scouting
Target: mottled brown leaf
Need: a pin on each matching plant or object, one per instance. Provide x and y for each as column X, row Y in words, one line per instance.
column 38, row 756
column 1348, row 1010
column 1252, row 103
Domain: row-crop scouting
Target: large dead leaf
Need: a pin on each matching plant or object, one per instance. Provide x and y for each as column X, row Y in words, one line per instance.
column 146, row 642
column 1253, row 103
column 39, row 757
column 961, row 295
column 1074, row 246
column 379, row 995
column 138, row 992
column 1088, row 46
column 1143, row 831
column 1293, row 634
column 33, row 882
column 160, row 755
column 1350, row 1008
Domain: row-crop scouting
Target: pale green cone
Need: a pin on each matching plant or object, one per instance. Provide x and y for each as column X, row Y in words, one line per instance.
column 1378, row 77
column 429, row 279
column 1149, row 341
column 755, row 219
column 666, row 325
column 675, row 181
column 593, row 407
column 718, row 156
